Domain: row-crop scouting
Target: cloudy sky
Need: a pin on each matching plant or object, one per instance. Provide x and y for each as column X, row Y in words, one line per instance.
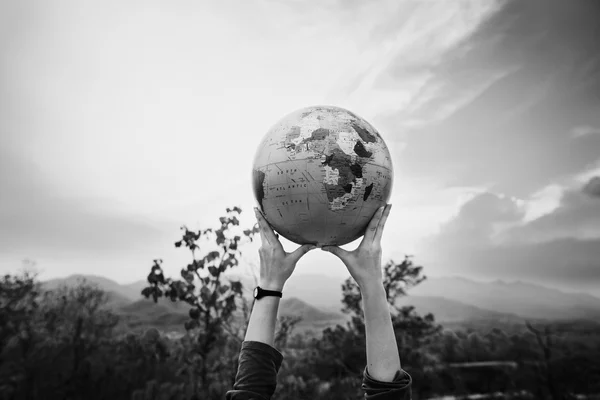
column 121, row 121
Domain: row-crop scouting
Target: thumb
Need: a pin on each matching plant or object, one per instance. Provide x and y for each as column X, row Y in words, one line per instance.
column 302, row 250
column 338, row 251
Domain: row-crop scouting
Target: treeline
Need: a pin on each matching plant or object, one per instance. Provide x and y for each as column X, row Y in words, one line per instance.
column 68, row 343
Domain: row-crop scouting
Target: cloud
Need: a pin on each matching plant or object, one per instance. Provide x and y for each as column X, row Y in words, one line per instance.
column 404, row 48
column 543, row 201
column 478, row 221
column 37, row 219
column 495, row 106
column 592, row 188
column 591, row 170
column 577, row 217
column 584, row 130
column 107, row 131
column 491, row 238
column 440, row 98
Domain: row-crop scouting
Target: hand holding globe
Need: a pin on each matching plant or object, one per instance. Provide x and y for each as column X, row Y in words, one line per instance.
column 364, row 263
column 276, row 265
column 320, row 174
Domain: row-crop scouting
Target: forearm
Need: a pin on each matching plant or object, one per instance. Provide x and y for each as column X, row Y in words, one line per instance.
column 383, row 359
column 261, row 327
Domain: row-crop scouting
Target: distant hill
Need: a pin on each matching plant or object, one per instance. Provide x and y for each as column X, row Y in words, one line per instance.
column 320, row 303
column 135, row 288
column 463, row 298
column 139, row 312
column 313, row 319
column 322, row 292
column 296, row 307
column 162, row 305
column 124, row 291
column 318, row 300
column 522, row 299
column 164, row 314
column 116, row 300
column 447, row 311
column 127, row 301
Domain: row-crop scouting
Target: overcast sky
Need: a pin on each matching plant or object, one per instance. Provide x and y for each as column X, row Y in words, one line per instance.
column 121, row 121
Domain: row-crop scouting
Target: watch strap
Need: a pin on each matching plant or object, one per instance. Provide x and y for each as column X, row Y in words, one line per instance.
column 265, row 292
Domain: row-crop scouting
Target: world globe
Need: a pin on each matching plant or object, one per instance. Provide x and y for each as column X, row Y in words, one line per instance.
column 320, row 174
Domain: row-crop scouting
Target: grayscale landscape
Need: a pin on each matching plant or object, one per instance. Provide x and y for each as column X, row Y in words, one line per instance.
column 138, row 137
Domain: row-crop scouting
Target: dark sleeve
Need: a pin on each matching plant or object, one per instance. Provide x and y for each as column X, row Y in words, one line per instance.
column 398, row 389
column 257, row 372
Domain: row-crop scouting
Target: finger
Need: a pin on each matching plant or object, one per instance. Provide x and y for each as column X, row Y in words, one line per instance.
column 266, row 232
column 260, row 222
column 300, row 251
column 382, row 221
column 372, row 227
column 338, row 251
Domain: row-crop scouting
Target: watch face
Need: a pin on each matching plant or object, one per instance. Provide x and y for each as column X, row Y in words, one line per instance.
column 255, row 292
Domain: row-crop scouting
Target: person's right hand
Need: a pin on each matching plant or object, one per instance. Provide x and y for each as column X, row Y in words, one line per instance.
column 276, row 265
column 364, row 262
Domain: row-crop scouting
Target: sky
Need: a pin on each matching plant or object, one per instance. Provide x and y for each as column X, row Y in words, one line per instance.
column 122, row 121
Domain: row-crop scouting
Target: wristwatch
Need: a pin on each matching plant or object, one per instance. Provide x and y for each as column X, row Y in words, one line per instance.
column 259, row 293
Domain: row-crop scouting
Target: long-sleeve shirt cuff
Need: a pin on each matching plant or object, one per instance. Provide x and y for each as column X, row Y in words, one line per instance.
column 258, row 366
column 399, row 388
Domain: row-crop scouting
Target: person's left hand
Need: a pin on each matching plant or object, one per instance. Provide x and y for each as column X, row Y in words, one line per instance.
column 276, row 265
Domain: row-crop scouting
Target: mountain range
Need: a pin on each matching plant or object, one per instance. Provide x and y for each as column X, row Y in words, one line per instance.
column 137, row 311
column 523, row 299
column 317, row 299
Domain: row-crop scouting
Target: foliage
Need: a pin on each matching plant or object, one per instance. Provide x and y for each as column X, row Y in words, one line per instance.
column 68, row 326
column 17, row 305
column 212, row 298
column 340, row 353
column 52, row 358
column 413, row 331
column 63, row 344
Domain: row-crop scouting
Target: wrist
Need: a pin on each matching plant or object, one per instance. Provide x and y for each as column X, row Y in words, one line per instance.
column 271, row 285
column 371, row 287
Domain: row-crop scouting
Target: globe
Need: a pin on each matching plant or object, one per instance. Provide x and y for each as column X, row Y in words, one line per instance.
column 320, row 174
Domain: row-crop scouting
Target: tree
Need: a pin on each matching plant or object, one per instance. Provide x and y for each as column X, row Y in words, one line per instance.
column 18, row 304
column 213, row 299
column 18, row 307
column 53, row 335
column 286, row 323
column 340, row 353
column 545, row 341
column 413, row 331
column 77, row 318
